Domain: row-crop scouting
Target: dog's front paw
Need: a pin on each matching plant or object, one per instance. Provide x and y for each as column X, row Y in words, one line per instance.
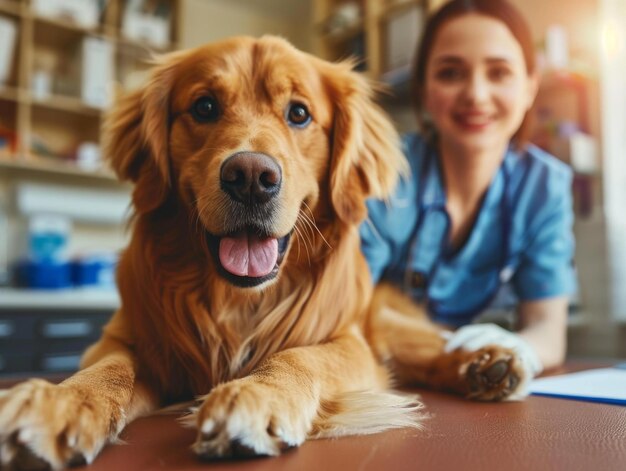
column 247, row 418
column 493, row 373
column 43, row 425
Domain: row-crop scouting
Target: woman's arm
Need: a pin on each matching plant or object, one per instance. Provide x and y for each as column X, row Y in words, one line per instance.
column 543, row 324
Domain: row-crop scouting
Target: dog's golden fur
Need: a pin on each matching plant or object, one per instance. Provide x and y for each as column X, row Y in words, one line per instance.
column 279, row 362
column 211, row 331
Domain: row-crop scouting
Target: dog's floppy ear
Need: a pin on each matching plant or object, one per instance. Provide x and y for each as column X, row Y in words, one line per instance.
column 136, row 136
column 366, row 154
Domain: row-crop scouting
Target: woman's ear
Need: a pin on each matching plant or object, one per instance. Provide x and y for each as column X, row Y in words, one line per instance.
column 366, row 154
column 533, row 88
column 136, row 134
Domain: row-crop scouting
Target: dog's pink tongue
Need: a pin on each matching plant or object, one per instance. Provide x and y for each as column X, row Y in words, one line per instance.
column 248, row 255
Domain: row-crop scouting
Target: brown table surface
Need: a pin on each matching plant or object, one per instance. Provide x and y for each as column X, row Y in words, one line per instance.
column 537, row 434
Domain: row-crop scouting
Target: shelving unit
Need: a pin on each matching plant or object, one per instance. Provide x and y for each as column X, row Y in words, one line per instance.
column 42, row 131
column 45, row 166
column 75, row 299
column 47, row 331
column 381, row 34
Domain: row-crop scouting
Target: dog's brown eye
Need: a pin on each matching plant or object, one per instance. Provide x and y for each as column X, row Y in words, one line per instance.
column 205, row 109
column 298, row 115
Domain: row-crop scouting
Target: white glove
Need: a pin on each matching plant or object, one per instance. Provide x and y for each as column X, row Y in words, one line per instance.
column 476, row 336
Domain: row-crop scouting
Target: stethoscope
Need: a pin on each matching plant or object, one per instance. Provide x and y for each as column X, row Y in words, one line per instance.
column 433, row 206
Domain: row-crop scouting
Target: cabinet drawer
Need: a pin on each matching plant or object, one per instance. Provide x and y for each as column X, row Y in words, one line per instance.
column 57, row 363
column 68, row 328
column 33, row 342
column 28, row 325
column 7, row 328
column 16, row 363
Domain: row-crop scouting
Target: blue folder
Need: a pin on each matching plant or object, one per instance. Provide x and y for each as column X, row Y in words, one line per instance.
column 605, row 385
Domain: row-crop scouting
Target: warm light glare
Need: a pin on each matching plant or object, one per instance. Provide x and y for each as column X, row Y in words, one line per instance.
column 612, row 39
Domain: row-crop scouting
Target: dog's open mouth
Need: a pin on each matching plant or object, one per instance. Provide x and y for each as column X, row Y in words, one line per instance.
column 248, row 258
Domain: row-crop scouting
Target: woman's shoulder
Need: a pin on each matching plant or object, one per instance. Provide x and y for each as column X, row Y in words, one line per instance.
column 547, row 167
column 415, row 148
column 543, row 186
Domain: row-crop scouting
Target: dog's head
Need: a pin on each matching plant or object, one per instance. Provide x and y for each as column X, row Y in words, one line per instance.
column 247, row 134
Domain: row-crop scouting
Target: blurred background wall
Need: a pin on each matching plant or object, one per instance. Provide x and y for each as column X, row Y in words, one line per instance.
column 61, row 62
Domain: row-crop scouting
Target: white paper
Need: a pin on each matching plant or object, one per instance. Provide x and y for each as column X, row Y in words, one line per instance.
column 603, row 383
column 8, row 34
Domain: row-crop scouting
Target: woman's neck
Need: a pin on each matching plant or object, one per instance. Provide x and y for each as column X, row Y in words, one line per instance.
column 467, row 176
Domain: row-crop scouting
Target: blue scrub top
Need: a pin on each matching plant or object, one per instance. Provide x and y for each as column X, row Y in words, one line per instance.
column 522, row 237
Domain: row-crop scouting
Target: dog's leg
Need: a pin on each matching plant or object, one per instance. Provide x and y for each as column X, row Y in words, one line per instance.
column 57, row 425
column 403, row 337
column 287, row 398
column 492, row 373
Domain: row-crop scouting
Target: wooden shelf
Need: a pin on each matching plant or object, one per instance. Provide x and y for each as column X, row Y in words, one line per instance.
column 49, row 166
column 396, row 7
column 373, row 28
column 50, row 58
column 74, row 299
column 345, row 35
column 67, row 104
column 65, row 25
column 53, row 102
column 9, row 93
column 142, row 45
column 11, row 8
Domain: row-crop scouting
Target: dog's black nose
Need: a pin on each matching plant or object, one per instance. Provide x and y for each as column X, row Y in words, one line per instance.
column 251, row 177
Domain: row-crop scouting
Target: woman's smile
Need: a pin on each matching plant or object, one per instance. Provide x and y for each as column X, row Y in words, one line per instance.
column 473, row 121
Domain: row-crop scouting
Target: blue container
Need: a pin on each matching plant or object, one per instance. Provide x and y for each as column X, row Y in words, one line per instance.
column 48, row 237
column 44, row 274
column 94, row 271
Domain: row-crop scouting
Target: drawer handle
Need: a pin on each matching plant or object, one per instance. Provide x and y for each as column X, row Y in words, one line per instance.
column 6, row 328
column 60, row 363
column 67, row 329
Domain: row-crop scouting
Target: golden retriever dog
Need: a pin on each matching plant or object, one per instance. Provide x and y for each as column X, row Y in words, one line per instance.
column 243, row 284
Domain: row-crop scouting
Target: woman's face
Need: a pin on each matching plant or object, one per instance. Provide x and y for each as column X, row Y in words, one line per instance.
column 477, row 88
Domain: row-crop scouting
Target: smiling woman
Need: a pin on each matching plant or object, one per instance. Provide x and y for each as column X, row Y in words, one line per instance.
column 477, row 88
column 491, row 212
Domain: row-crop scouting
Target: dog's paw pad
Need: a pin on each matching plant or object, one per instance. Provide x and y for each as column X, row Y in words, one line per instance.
column 495, row 373
column 491, row 375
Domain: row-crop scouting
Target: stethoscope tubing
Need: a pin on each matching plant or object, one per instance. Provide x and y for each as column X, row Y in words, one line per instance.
column 507, row 208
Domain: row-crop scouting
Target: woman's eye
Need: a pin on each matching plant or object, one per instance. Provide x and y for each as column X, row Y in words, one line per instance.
column 499, row 73
column 449, row 74
column 298, row 115
column 205, row 109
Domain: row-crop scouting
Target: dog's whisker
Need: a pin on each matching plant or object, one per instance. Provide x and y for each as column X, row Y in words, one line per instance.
column 310, row 236
column 194, row 218
column 310, row 230
column 297, row 239
column 306, row 230
column 312, row 220
column 302, row 240
column 198, row 223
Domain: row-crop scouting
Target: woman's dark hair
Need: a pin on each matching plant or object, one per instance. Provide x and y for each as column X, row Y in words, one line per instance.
column 500, row 10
